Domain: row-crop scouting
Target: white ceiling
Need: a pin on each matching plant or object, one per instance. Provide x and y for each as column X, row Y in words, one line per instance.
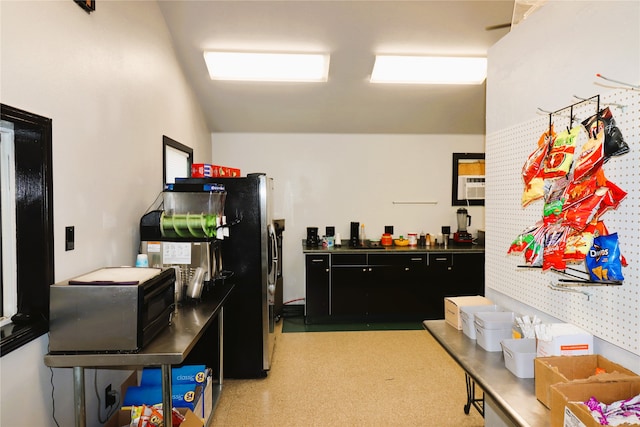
column 352, row 32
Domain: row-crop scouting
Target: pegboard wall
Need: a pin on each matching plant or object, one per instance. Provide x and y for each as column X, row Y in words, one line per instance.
column 611, row 313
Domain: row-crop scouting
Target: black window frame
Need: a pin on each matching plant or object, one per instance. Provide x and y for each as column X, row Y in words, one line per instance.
column 34, row 227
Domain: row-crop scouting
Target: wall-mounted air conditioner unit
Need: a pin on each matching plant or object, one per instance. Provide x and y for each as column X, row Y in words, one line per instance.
column 471, row 186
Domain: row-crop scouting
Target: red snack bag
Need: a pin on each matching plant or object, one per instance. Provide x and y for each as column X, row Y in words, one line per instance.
column 555, row 199
column 612, row 199
column 591, row 157
column 580, row 190
column 579, row 242
column 530, row 241
column 555, row 240
column 560, row 158
column 581, row 212
column 155, row 418
column 535, row 162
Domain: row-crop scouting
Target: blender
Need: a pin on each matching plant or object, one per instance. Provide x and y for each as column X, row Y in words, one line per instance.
column 464, row 220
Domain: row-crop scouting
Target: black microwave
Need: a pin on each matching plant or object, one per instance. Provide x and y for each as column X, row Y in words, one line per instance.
column 119, row 309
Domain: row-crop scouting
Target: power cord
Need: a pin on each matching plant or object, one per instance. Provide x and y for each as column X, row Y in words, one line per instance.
column 53, row 401
column 113, row 393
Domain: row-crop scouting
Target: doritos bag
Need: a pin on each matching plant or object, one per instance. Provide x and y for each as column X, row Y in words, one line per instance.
column 604, row 261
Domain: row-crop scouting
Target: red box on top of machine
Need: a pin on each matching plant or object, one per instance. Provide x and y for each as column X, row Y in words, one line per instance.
column 205, row 170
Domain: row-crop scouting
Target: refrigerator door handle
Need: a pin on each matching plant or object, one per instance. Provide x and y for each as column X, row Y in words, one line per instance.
column 273, row 271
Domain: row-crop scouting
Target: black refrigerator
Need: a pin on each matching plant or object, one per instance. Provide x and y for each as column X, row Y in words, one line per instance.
column 250, row 252
column 249, row 258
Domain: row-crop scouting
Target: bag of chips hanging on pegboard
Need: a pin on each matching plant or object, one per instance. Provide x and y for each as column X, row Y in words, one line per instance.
column 604, row 260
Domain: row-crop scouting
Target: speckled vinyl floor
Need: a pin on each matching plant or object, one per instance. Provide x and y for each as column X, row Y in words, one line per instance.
column 364, row 378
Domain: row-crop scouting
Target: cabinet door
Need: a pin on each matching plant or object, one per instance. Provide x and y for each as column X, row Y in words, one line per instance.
column 317, row 287
column 349, row 290
column 350, row 275
column 468, row 274
column 396, row 286
column 440, row 283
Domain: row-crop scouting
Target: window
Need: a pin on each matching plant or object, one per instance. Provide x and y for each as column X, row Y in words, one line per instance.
column 27, row 226
column 177, row 159
column 467, row 186
column 9, row 296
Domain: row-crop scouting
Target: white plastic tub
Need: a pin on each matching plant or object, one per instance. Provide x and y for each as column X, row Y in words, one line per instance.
column 519, row 356
column 467, row 316
column 491, row 328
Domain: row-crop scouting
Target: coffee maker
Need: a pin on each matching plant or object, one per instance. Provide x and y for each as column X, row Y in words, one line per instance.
column 312, row 237
column 464, row 220
column 354, row 239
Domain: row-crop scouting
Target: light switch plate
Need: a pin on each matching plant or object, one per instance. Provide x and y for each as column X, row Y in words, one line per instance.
column 69, row 238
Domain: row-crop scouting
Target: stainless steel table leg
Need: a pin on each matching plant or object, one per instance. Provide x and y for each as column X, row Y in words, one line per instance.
column 78, row 397
column 471, row 396
column 166, row 395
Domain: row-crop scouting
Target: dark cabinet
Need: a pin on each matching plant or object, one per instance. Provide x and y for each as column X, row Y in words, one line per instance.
column 318, row 289
column 349, row 276
column 468, row 274
column 378, row 286
column 455, row 274
column 397, row 287
column 369, row 286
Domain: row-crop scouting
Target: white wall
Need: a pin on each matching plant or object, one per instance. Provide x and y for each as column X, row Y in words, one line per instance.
column 546, row 60
column 333, row 179
column 111, row 84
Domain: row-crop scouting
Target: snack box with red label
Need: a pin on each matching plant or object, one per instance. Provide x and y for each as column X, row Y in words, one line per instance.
column 182, row 396
column 205, row 170
column 564, row 339
column 186, row 374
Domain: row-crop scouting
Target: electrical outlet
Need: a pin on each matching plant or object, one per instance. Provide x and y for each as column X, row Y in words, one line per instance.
column 109, row 397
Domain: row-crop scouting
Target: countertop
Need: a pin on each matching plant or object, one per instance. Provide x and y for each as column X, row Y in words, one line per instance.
column 514, row 396
column 453, row 248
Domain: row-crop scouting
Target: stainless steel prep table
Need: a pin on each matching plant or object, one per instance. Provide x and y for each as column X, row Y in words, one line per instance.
column 513, row 396
column 170, row 347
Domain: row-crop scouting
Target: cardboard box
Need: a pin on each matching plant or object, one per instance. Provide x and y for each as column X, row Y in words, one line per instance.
column 566, row 411
column 565, row 340
column 188, row 396
column 201, row 170
column 452, row 308
column 205, row 170
column 123, row 418
column 186, row 374
column 561, row 369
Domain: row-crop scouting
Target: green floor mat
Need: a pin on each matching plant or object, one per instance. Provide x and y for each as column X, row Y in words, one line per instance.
column 296, row 324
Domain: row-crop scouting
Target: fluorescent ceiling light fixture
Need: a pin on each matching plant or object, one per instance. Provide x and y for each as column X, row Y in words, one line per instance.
column 429, row 70
column 274, row 67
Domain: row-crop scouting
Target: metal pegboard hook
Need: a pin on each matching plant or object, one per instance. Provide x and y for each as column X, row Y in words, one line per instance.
column 561, row 288
column 613, row 104
column 628, row 85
